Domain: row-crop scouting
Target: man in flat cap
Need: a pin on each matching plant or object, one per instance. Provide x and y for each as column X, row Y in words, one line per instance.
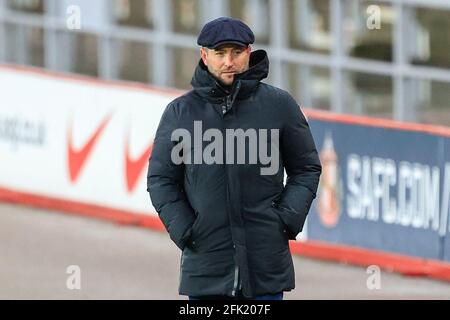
column 216, row 173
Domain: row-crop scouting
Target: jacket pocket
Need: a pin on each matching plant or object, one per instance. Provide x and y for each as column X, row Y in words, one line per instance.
column 283, row 226
column 293, row 221
column 193, row 233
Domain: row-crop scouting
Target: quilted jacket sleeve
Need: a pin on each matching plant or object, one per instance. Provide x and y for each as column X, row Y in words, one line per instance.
column 165, row 182
column 303, row 168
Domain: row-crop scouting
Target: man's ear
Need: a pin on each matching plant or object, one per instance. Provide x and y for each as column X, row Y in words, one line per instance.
column 203, row 54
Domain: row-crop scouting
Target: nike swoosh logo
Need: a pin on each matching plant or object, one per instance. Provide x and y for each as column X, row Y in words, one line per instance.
column 134, row 168
column 77, row 158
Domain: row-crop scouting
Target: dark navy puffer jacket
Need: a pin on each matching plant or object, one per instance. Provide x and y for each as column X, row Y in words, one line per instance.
column 231, row 222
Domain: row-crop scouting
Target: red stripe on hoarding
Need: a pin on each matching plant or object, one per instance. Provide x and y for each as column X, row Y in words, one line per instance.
column 410, row 266
column 84, row 209
column 314, row 249
column 376, row 122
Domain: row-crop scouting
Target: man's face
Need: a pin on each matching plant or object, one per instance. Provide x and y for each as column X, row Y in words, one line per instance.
column 226, row 61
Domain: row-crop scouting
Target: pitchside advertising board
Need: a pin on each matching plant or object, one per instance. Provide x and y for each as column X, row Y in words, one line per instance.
column 77, row 140
column 89, row 142
column 382, row 188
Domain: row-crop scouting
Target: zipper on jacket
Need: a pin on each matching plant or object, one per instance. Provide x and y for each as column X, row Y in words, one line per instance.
column 181, row 269
column 226, row 106
column 229, row 102
column 236, row 278
column 230, row 99
column 236, row 267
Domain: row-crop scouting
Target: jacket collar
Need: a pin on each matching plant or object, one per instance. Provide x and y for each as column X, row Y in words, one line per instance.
column 207, row 86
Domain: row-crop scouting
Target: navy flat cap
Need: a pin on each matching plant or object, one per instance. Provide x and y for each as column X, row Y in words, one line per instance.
column 225, row 30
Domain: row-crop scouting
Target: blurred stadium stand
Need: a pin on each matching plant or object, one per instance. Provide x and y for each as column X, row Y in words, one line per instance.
column 321, row 51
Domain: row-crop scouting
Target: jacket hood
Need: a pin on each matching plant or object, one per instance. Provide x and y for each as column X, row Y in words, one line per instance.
column 207, row 86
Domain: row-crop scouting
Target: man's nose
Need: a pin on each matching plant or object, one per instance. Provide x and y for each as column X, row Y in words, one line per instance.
column 228, row 60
